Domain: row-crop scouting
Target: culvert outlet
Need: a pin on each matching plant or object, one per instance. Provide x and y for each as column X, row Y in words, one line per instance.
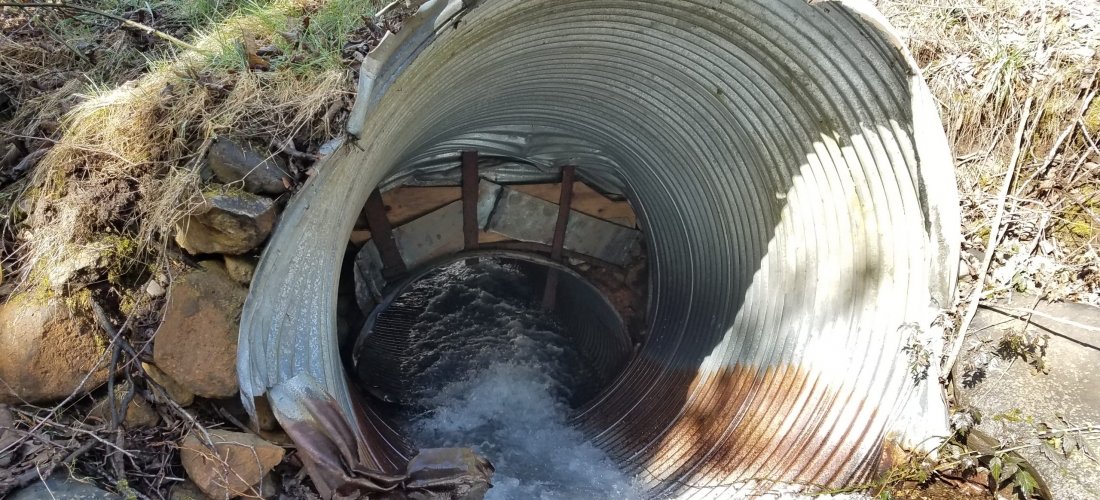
column 794, row 185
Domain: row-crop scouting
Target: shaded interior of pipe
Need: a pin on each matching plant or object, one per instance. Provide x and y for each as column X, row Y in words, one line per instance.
column 769, row 151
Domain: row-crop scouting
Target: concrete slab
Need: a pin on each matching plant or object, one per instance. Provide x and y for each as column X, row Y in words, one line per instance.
column 1016, row 400
column 523, row 217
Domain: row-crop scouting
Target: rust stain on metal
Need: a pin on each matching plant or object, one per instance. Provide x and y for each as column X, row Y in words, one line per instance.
column 382, row 234
column 740, row 425
column 564, row 201
column 469, row 199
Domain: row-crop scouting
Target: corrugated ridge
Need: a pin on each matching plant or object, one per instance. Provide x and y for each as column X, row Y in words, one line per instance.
column 770, row 149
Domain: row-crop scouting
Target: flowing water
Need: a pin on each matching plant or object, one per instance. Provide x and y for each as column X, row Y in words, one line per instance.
column 490, row 371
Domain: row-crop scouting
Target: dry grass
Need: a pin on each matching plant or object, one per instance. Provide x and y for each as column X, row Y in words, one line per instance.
column 983, row 60
column 126, row 162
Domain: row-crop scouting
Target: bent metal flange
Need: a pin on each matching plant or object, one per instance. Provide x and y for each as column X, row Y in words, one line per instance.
column 794, row 184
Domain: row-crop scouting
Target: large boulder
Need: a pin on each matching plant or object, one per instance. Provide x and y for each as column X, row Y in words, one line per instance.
column 259, row 173
column 47, row 351
column 227, row 222
column 196, row 344
column 231, row 464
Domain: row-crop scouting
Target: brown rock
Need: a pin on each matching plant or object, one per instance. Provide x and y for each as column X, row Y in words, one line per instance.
column 186, row 491
column 228, row 222
column 196, row 344
column 240, row 268
column 46, row 351
column 235, row 465
column 177, row 392
column 139, row 413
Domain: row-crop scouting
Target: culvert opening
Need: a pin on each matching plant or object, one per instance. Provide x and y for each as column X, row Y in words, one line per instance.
column 465, row 355
column 794, row 184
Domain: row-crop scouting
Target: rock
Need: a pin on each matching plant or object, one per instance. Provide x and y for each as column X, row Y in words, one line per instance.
column 240, row 268
column 196, row 344
column 186, row 491
column 177, row 392
column 139, row 413
column 47, row 351
column 154, row 289
column 228, row 222
column 1015, row 399
column 63, row 487
column 232, row 162
column 77, row 259
column 7, row 437
column 236, row 465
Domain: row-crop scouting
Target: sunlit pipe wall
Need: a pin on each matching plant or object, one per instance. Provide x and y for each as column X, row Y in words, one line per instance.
column 793, row 181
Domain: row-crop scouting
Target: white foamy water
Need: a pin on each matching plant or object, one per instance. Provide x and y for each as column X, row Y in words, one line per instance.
column 511, row 374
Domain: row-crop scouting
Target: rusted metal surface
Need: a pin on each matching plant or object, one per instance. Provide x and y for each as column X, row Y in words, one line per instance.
column 470, row 227
column 382, row 235
column 790, row 173
column 565, row 202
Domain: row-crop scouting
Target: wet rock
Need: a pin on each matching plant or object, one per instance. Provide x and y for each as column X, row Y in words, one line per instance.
column 228, row 222
column 139, row 413
column 240, row 268
column 176, row 392
column 1018, row 402
column 232, row 162
column 47, row 351
column 62, row 487
column 196, row 344
column 236, row 464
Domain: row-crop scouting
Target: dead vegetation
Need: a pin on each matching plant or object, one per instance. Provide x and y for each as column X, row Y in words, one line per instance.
column 123, row 158
column 985, row 60
column 103, row 134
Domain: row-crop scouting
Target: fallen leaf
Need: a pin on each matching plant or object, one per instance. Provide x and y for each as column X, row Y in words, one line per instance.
column 255, row 62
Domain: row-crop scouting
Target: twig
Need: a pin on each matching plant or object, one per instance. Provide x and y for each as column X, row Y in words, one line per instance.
column 991, row 245
column 133, row 24
column 1019, row 311
column 64, row 42
column 387, row 8
column 1089, row 96
column 37, row 474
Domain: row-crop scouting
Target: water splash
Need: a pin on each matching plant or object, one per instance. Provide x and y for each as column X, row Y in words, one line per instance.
column 494, row 373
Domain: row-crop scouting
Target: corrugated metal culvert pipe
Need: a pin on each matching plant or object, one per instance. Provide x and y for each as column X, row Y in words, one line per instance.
column 792, row 179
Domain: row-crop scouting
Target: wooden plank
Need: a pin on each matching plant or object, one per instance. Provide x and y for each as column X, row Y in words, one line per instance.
column 565, row 199
column 406, row 204
column 586, row 200
column 380, row 226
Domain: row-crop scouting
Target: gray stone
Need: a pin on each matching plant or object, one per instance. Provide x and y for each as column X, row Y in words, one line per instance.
column 260, row 173
column 1016, row 399
column 72, row 263
column 62, row 487
column 440, row 232
column 523, row 217
column 228, row 222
